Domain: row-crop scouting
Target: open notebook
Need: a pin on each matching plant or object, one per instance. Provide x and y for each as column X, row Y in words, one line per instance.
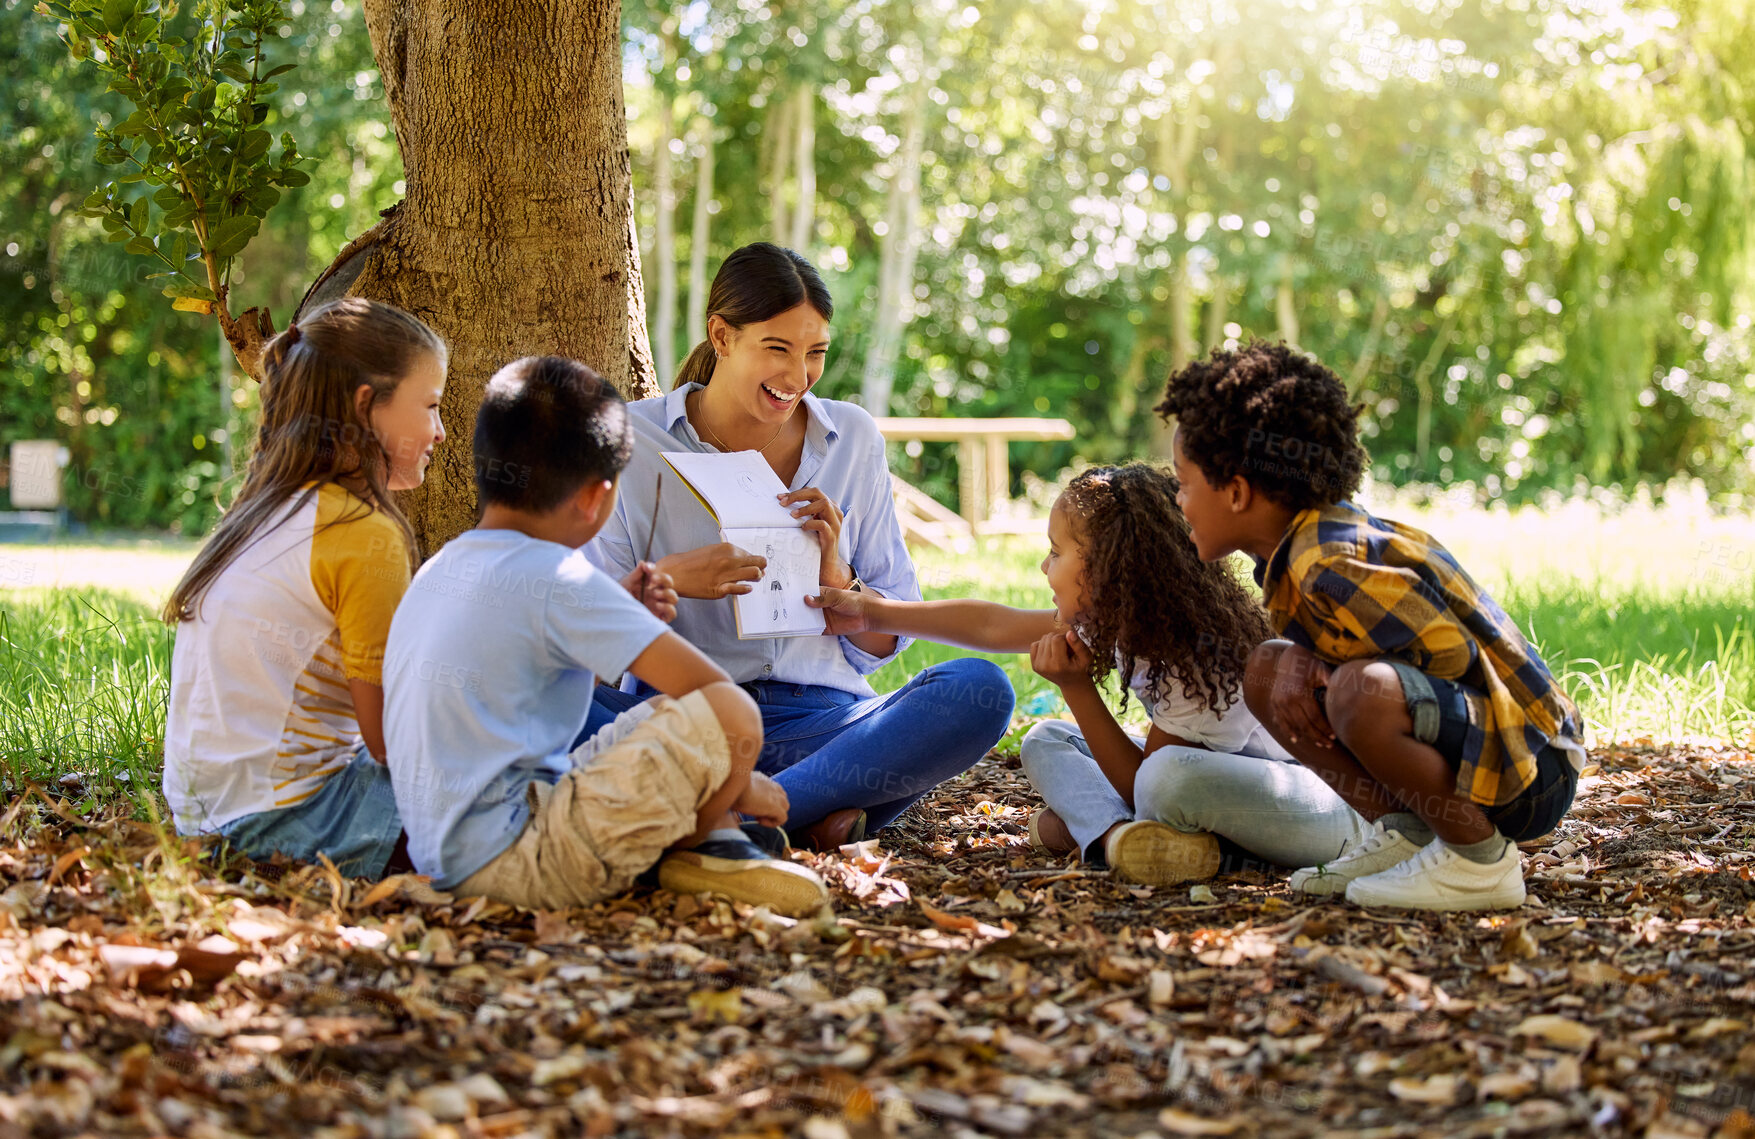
column 741, row 492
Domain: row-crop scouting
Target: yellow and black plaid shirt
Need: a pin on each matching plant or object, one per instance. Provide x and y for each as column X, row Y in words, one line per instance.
column 1348, row 586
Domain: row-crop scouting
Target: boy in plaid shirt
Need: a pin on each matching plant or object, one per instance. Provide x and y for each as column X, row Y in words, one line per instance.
column 1399, row 679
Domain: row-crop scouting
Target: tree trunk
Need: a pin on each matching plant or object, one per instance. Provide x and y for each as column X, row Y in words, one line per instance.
column 780, row 129
column 896, row 260
column 1177, row 135
column 1361, row 378
column 697, row 327
column 1218, row 310
column 804, row 213
column 664, row 351
column 516, row 235
column 1285, row 304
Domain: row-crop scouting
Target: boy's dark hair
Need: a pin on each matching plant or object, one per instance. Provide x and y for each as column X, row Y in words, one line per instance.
column 1150, row 600
column 1273, row 415
column 547, row 426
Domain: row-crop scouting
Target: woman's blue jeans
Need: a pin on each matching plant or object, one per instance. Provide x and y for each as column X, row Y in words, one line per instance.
column 832, row 749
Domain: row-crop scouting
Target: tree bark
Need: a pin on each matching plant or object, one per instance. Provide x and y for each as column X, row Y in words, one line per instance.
column 697, row 322
column 664, row 351
column 516, row 235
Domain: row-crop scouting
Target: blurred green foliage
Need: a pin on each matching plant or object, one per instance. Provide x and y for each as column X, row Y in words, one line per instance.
column 90, row 351
column 1519, row 229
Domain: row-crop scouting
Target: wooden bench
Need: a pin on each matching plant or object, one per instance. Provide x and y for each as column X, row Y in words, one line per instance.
column 984, row 475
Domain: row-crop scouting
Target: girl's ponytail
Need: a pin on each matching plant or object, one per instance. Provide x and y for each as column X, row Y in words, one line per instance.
column 698, row 368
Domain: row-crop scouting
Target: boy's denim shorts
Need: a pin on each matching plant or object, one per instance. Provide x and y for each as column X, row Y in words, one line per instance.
column 1441, row 718
column 352, row 818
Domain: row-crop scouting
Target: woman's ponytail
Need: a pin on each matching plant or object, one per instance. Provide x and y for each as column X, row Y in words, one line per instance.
column 698, row 368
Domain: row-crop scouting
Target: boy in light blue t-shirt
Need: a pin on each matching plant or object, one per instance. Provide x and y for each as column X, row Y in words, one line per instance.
column 489, row 670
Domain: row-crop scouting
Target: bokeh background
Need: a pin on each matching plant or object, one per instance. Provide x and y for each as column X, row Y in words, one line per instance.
column 1520, row 229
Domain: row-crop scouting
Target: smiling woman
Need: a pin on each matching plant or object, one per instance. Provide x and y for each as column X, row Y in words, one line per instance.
column 847, row 758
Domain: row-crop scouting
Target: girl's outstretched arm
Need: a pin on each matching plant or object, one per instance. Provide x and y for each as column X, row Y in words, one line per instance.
column 980, row 625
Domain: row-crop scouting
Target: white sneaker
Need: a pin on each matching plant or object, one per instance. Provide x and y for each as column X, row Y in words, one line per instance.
column 1380, row 849
column 1438, row 878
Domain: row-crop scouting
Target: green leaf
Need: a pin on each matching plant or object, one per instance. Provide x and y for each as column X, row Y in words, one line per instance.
column 230, row 66
column 289, row 176
column 168, row 198
column 142, row 245
column 138, row 215
column 190, row 290
column 228, row 238
column 117, row 13
column 255, row 145
column 281, row 70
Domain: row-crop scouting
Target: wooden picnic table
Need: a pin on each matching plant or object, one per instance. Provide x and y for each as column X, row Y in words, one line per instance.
column 984, row 471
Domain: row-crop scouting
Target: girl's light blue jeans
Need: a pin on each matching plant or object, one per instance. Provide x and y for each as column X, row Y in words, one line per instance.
column 1280, row 812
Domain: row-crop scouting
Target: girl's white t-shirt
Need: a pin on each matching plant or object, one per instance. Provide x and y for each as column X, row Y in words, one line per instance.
column 261, row 713
column 1235, row 730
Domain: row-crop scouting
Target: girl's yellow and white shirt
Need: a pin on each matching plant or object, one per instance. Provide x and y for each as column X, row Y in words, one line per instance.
column 260, row 714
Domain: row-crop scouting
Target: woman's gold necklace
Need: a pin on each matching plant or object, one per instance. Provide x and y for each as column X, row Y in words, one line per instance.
column 720, row 443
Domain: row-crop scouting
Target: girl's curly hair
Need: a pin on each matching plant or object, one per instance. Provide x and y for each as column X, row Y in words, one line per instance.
column 1148, row 596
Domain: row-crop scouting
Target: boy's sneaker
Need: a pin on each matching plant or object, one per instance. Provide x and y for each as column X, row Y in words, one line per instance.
column 1156, row 854
column 743, row 872
column 1381, row 848
column 771, row 839
column 1438, row 878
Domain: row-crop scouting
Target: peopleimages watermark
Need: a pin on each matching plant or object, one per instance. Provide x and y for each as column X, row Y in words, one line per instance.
column 1290, row 457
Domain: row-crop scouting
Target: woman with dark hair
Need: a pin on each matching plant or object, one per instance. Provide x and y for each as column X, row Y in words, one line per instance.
column 849, row 760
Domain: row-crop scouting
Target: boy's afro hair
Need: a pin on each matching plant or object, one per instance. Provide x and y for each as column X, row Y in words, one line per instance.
column 1273, row 415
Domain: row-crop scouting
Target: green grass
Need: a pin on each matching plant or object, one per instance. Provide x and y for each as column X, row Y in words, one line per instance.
column 1645, row 617
column 1670, row 661
column 84, row 675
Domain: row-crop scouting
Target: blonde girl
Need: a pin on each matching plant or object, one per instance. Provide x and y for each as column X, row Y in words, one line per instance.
column 275, row 733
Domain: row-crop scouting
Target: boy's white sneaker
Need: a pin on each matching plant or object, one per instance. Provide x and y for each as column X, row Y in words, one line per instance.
column 1438, row 878
column 1381, row 848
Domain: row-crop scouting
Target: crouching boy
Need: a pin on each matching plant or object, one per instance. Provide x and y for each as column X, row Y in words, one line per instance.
column 1400, row 680
column 489, row 670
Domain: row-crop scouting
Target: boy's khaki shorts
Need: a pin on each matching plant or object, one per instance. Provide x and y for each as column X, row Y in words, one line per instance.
column 635, row 789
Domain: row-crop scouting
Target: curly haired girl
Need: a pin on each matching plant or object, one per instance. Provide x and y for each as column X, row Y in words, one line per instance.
column 1132, row 596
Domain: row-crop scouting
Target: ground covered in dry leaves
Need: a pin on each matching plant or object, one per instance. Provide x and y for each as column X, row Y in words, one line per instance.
column 963, row 987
